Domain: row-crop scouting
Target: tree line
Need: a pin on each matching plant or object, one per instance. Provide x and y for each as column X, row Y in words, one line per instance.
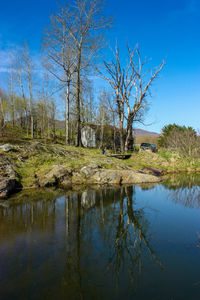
column 73, row 50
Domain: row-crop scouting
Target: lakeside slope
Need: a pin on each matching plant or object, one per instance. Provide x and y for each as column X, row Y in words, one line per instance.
column 35, row 163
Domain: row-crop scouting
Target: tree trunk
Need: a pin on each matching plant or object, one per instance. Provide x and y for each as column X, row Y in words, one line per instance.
column 67, row 113
column 48, row 131
column 102, row 132
column 21, row 120
column 26, row 122
column 102, row 136
column 114, row 137
column 32, row 131
column 13, row 111
column 78, row 101
column 129, row 135
column 31, row 102
column 54, row 128
column 35, row 126
column 121, row 132
column 121, row 120
column 2, row 116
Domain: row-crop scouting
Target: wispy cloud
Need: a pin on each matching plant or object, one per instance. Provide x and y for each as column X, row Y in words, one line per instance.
column 7, row 57
column 4, row 70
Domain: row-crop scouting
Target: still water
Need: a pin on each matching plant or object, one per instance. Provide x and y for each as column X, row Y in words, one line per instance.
column 136, row 242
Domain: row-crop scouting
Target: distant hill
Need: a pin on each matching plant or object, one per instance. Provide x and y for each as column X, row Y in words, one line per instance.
column 136, row 132
column 60, row 124
column 141, row 133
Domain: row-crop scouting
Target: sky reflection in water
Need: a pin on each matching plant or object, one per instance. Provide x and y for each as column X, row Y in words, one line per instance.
column 138, row 242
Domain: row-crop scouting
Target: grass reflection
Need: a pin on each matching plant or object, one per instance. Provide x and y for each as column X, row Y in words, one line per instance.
column 184, row 189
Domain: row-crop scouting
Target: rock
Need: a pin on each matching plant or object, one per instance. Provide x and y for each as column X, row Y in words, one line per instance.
column 8, row 147
column 9, row 179
column 106, row 176
column 92, row 174
column 90, row 170
column 55, row 176
column 78, row 178
column 153, row 171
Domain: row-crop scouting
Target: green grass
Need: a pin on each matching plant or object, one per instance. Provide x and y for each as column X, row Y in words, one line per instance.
column 164, row 154
column 35, row 158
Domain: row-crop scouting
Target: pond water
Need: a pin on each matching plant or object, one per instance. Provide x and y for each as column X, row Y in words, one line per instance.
column 135, row 242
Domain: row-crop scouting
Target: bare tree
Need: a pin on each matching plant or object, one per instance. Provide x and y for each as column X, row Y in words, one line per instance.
column 141, row 79
column 28, row 69
column 88, row 112
column 20, row 72
column 60, row 57
column 87, row 33
column 121, row 80
column 45, row 107
column 11, row 85
column 103, row 116
column 2, row 110
column 52, row 117
column 111, row 107
column 81, row 23
column 131, row 89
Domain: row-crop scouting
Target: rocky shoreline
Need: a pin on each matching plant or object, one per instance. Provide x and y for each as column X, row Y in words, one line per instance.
column 61, row 176
column 39, row 165
column 9, row 179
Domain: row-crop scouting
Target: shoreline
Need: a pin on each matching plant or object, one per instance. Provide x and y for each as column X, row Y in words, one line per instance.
column 35, row 165
column 145, row 179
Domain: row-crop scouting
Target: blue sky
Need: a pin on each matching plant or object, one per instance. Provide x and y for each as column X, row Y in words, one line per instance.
column 163, row 29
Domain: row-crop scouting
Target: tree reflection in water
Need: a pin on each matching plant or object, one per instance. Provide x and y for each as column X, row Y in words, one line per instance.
column 93, row 234
column 130, row 239
column 184, row 189
column 123, row 230
column 72, row 278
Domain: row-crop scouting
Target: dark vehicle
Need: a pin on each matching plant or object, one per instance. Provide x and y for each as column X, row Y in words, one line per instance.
column 148, row 146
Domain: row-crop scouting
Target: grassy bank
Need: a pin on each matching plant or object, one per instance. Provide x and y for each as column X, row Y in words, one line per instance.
column 33, row 159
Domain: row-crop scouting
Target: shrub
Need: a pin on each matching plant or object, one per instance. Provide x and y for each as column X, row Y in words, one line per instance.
column 182, row 138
